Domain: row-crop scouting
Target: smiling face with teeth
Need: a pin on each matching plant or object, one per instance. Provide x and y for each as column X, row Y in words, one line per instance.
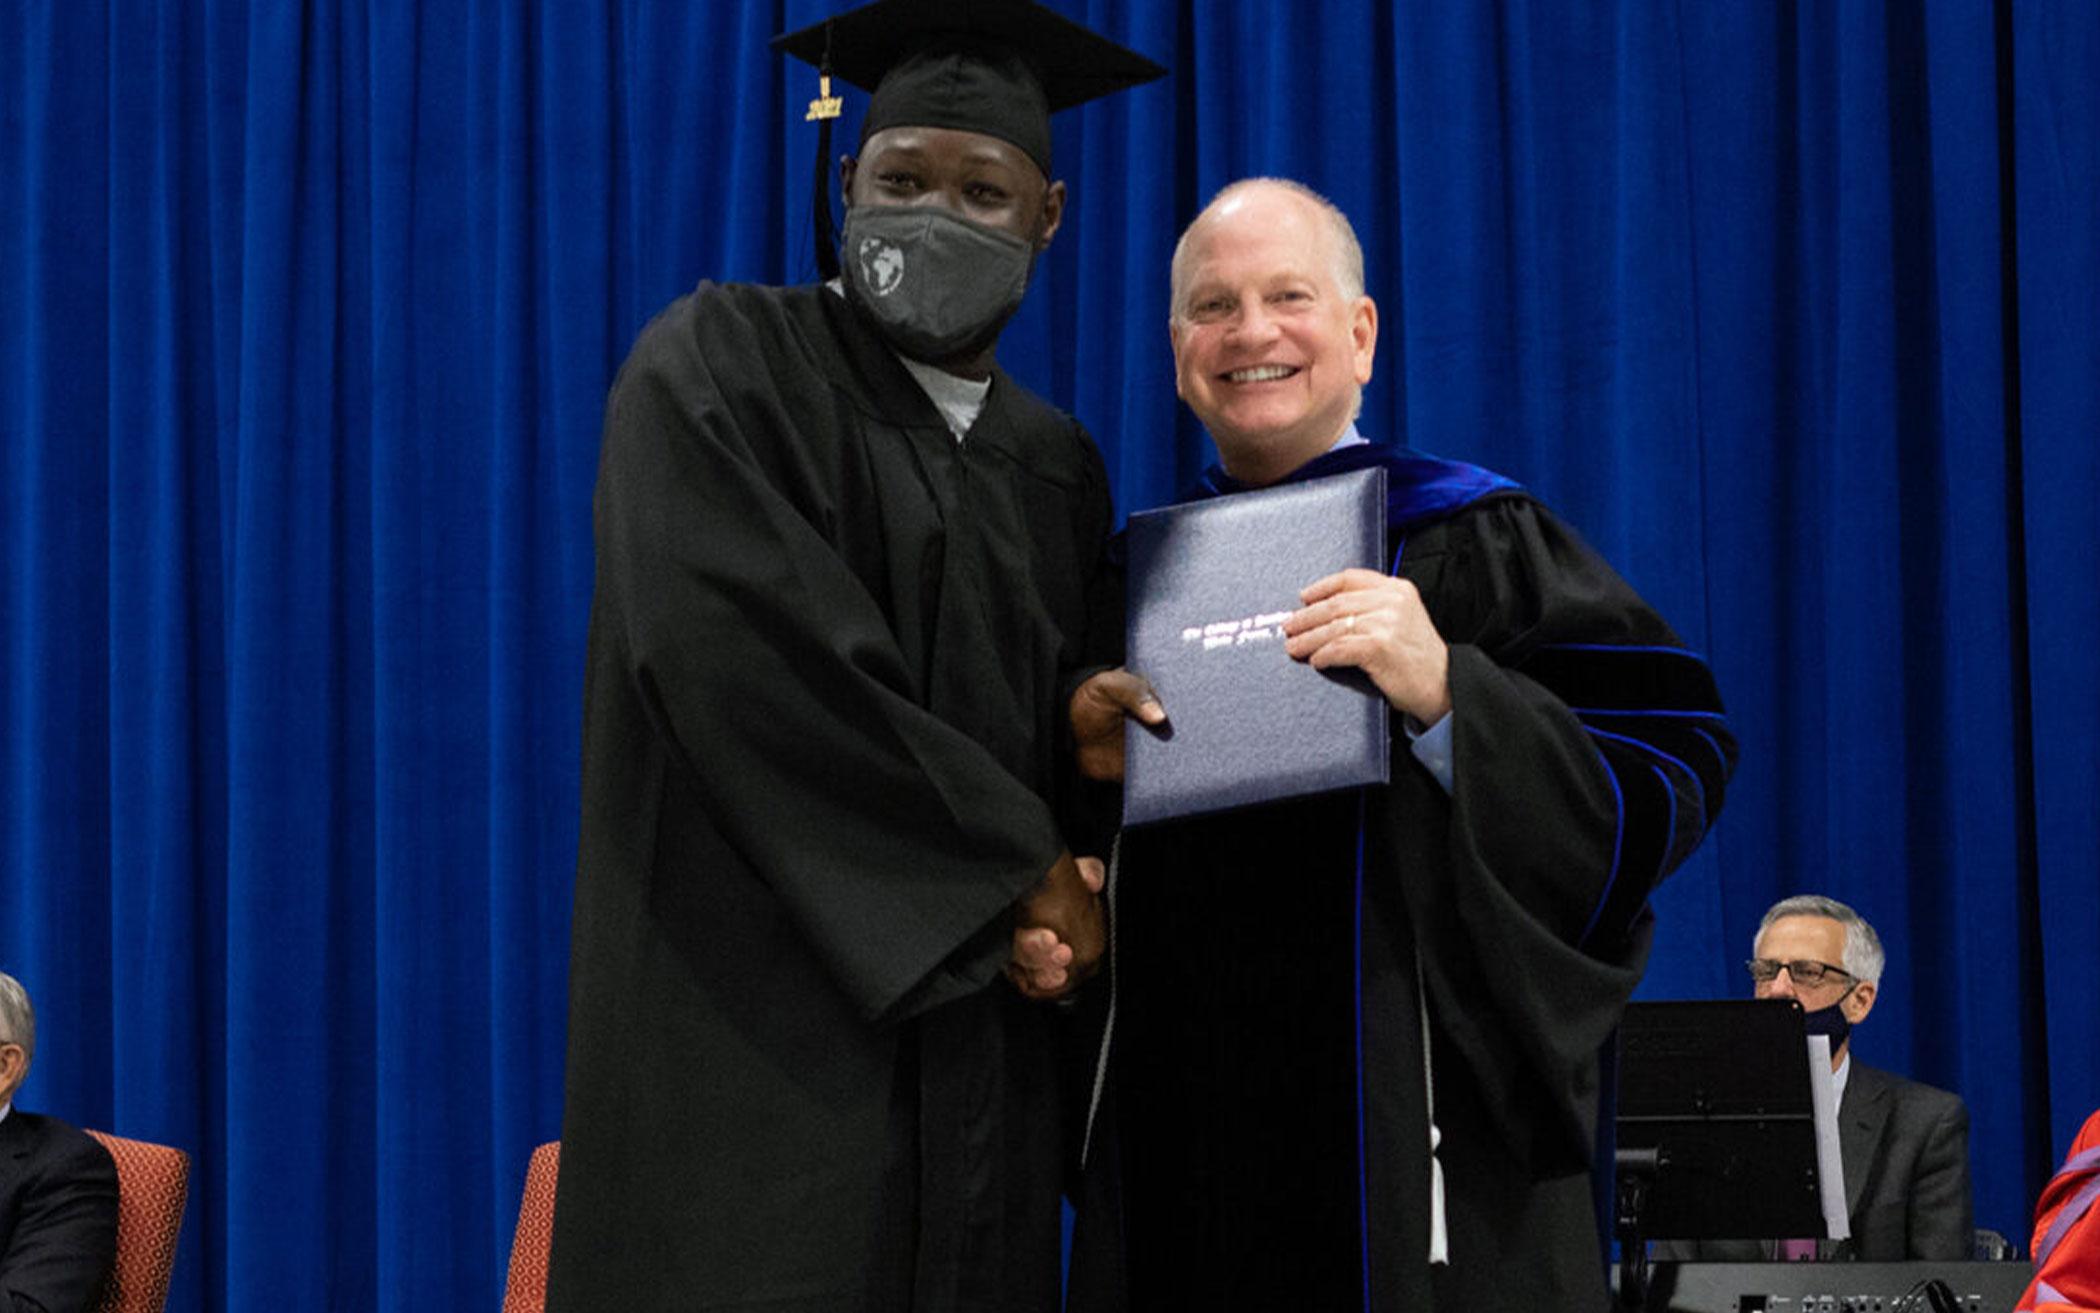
column 1271, row 350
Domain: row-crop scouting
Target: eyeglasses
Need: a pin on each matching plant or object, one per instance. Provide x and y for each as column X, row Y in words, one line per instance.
column 1763, row 969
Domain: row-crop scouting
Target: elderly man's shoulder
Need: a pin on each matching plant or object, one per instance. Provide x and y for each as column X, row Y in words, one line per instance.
column 1912, row 1099
column 47, row 1148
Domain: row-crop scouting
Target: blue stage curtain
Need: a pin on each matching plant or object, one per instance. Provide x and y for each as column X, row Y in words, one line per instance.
column 307, row 313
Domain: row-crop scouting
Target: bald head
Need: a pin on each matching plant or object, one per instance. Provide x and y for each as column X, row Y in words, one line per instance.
column 1344, row 253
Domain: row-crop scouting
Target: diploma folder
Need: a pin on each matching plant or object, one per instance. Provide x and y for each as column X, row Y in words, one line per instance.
column 1211, row 583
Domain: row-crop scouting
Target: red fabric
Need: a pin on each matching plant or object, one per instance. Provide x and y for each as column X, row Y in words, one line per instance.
column 153, row 1188
column 2072, row 1271
column 526, row 1290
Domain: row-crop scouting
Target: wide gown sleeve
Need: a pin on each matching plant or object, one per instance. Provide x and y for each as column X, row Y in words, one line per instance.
column 1589, row 755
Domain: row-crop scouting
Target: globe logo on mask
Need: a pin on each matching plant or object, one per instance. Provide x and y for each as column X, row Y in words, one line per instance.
column 881, row 266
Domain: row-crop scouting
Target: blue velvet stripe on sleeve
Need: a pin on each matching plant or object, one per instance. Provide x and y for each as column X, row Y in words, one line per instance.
column 1662, row 736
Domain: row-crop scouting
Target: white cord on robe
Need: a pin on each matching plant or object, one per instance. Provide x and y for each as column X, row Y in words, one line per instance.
column 1439, row 1233
column 1108, row 1027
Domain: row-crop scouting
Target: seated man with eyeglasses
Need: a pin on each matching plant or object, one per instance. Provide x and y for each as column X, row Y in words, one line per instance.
column 1905, row 1146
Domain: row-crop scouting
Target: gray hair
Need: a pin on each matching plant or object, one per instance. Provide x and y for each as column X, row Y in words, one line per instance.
column 1348, row 252
column 17, row 1018
column 1863, row 956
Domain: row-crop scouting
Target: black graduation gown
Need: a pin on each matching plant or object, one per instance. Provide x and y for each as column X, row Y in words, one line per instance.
column 1264, row 1141
column 829, row 653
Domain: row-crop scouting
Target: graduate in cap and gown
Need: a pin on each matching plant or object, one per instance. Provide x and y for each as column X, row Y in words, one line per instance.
column 848, row 572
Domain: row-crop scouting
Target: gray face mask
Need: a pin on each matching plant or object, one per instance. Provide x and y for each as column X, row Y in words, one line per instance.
column 937, row 286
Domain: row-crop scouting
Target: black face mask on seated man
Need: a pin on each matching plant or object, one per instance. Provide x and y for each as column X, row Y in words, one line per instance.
column 1830, row 1021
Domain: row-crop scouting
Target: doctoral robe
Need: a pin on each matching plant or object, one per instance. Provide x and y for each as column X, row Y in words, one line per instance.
column 828, row 659
column 1296, row 982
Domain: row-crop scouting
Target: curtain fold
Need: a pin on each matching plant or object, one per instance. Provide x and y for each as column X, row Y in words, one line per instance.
column 2048, row 105
column 307, row 314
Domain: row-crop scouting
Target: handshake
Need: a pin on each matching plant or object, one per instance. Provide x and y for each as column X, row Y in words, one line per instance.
column 1060, row 931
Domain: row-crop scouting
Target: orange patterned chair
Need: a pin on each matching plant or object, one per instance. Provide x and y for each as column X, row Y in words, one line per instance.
column 526, row 1290
column 153, row 1188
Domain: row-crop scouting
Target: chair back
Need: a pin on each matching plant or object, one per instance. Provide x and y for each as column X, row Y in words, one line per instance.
column 153, row 1189
column 526, row 1289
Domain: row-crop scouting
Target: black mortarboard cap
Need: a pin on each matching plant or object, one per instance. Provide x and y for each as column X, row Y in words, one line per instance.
column 1000, row 67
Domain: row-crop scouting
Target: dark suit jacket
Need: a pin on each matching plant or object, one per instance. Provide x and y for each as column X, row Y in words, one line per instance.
column 1906, row 1150
column 58, row 1216
column 1906, row 1153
